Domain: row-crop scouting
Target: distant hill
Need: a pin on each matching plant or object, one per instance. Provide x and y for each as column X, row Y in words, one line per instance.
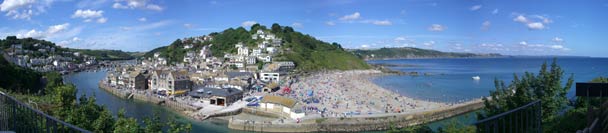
column 35, row 45
column 307, row 52
column 410, row 52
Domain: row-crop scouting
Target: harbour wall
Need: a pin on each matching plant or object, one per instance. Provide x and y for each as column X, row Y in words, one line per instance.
column 147, row 98
column 354, row 124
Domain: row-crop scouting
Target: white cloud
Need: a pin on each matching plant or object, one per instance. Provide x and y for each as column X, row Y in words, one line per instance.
column 91, row 3
column 557, row 46
column 521, row 19
column 557, row 39
column 523, row 43
column 351, row 17
column 8, row 5
column 87, row 14
column 147, row 26
column 543, row 19
column 330, row 23
column 188, row 26
column 536, row 26
column 297, row 25
column 119, row 6
column 248, row 23
column 364, row 46
column 24, row 9
column 485, row 25
column 533, row 22
column 102, row 20
column 33, row 34
column 400, row 38
column 429, row 43
column 136, row 4
column 67, row 42
column 57, row 28
column 142, row 19
column 495, row 11
column 50, row 32
column 154, row 7
column 382, row 22
column 436, row 27
column 475, row 7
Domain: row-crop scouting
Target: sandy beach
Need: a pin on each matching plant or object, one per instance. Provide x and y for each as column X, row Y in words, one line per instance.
column 350, row 94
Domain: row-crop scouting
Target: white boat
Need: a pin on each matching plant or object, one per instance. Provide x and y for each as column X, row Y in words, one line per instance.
column 476, row 77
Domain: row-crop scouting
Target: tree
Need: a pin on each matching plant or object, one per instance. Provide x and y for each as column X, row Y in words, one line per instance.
column 255, row 27
column 105, row 122
column 455, row 126
column 154, row 124
column 64, row 96
column 53, row 79
column 125, row 124
column 275, row 28
column 546, row 87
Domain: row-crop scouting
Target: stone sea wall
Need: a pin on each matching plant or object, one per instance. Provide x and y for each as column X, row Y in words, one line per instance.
column 352, row 124
column 146, row 98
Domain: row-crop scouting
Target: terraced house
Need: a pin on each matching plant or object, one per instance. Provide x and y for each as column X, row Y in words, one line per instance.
column 170, row 82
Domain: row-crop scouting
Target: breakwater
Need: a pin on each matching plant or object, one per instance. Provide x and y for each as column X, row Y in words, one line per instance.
column 353, row 124
column 148, row 98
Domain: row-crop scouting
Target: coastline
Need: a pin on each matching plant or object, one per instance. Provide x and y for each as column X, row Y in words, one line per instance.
column 421, row 112
column 375, row 122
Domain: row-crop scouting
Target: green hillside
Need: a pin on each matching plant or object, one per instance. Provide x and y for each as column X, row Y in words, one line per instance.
column 307, row 52
column 410, row 52
column 105, row 54
column 19, row 79
column 35, row 44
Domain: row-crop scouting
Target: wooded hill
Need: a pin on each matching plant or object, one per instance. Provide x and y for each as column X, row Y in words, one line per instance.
column 307, row 52
column 410, row 52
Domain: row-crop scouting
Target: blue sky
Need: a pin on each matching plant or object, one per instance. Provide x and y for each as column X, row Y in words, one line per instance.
column 514, row 27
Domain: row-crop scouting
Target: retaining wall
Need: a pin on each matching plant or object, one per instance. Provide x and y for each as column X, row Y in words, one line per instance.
column 353, row 124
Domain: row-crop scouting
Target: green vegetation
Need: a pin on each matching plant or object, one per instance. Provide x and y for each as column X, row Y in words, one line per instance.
column 307, row 52
column 575, row 119
column 546, row 87
column 35, row 45
column 22, row 80
column 60, row 101
column 104, row 54
column 410, row 52
column 453, row 126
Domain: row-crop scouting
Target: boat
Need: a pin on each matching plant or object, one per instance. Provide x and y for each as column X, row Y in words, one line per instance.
column 476, row 77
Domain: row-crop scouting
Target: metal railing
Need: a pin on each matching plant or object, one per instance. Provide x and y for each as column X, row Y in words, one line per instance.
column 18, row 117
column 526, row 119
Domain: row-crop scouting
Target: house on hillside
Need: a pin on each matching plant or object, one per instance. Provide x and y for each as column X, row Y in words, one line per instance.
column 170, row 82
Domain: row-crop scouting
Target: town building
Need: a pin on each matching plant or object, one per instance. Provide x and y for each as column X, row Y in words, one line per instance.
column 170, row 82
column 269, row 76
column 281, row 105
column 217, row 96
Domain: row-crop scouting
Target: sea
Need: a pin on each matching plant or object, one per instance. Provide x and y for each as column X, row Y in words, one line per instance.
column 446, row 80
column 451, row 80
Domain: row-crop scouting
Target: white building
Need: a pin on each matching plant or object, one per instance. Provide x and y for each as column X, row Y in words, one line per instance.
column 270, row 50
column 251, row 60
column 243, row 51
column 281, row 105
column 269, row 76
column 256, row 52
column 189, row 46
